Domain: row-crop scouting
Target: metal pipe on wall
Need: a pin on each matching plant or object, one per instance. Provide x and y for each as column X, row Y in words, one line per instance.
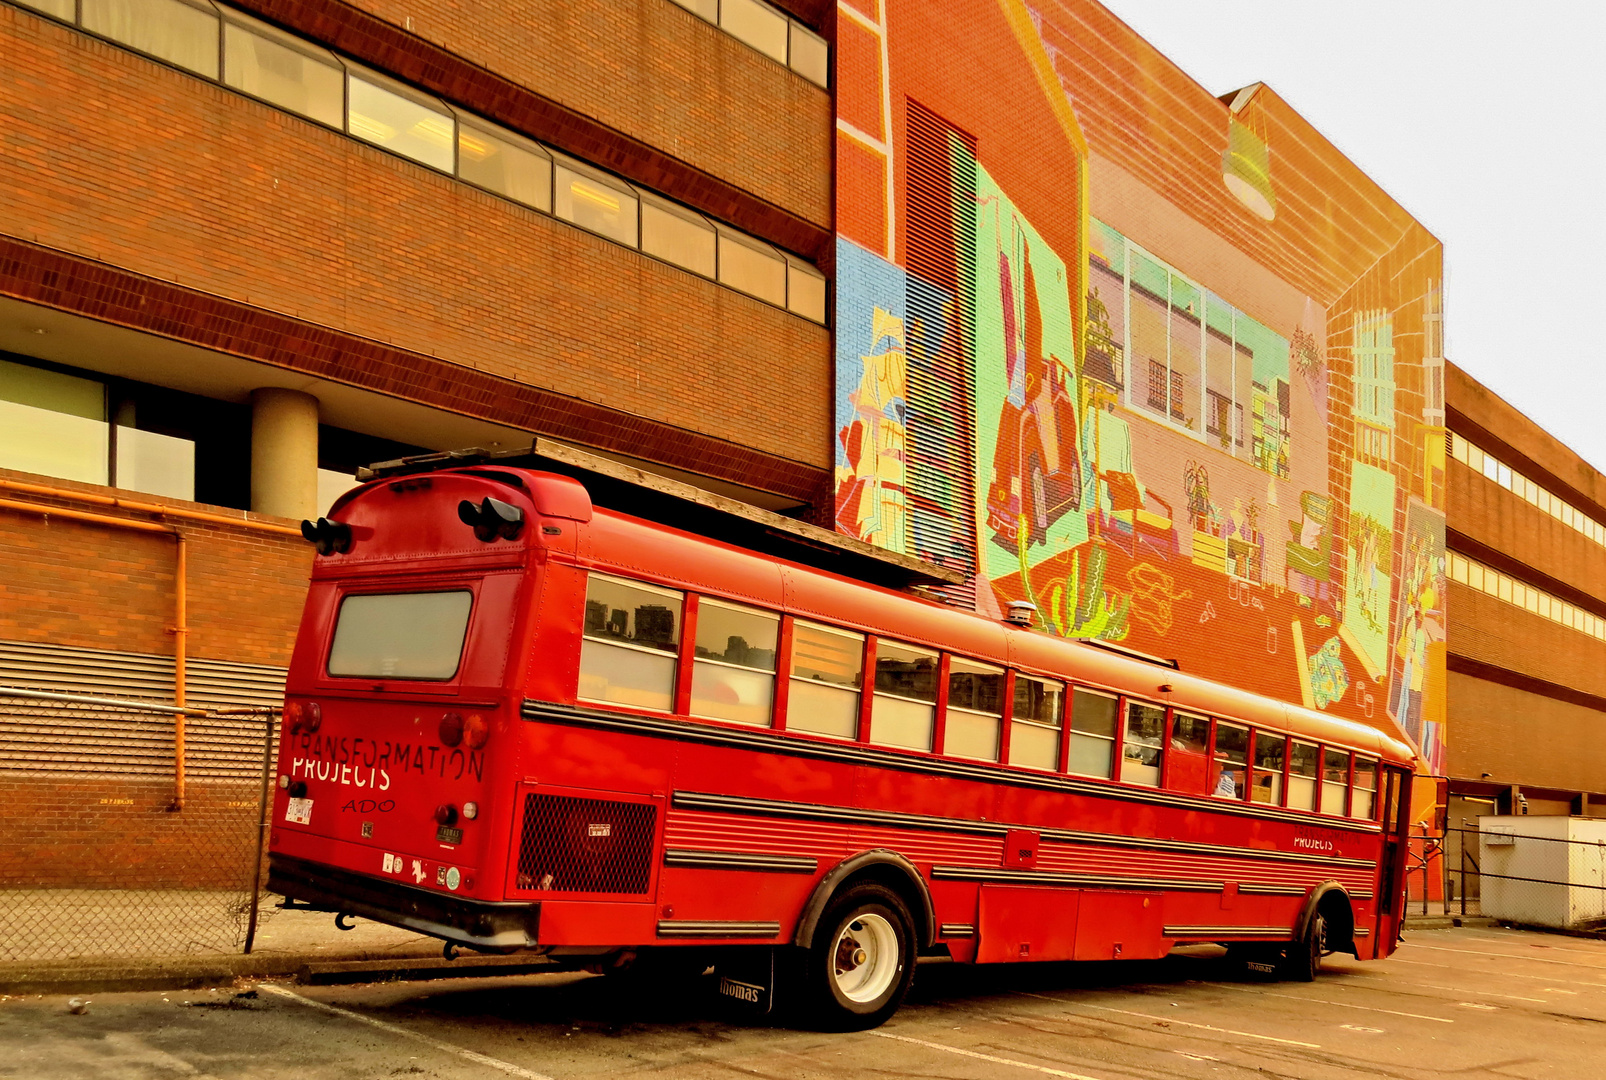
column 181, row 627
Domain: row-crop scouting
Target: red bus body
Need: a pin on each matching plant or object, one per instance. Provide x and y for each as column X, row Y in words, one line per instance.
column 602, row 828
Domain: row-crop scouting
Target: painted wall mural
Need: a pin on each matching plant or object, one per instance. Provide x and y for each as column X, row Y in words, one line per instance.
column 1157, row 363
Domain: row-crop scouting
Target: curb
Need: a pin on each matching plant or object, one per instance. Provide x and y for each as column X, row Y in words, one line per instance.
column 194, row 973
column 1447, row 922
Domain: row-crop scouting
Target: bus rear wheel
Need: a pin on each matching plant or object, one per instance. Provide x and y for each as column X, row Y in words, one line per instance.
column 862, row 962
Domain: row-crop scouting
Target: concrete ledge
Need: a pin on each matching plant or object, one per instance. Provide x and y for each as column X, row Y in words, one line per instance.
column 1446, row 922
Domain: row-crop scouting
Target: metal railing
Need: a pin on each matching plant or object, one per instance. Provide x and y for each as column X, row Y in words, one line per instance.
column 1527, row 871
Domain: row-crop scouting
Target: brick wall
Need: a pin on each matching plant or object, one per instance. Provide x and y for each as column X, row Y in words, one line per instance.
column 1485, row 512
column 1487, row 629
column 115, row 832
column 112, row 156
column 653, row 71
column 97, row 587
column 1557, row 746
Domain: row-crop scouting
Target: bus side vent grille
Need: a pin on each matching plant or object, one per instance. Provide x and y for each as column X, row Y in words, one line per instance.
column 586, row 845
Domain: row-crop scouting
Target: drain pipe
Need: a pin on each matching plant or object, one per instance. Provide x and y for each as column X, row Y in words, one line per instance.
column 180, row 628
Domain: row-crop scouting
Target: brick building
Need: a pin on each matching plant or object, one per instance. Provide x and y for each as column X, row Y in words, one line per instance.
column 993, row 286
column 1527, row 646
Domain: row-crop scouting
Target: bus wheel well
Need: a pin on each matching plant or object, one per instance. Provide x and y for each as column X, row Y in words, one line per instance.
column 883, row 867
column 1332, row 902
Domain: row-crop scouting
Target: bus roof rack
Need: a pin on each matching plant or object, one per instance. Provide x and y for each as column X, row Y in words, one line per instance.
column 626, row 489
column 1131, row 654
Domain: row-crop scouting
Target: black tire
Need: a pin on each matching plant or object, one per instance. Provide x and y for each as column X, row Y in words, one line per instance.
column 862, row 962
column 1302, row 960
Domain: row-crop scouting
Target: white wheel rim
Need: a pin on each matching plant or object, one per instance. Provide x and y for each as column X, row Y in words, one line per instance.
column 864, row 958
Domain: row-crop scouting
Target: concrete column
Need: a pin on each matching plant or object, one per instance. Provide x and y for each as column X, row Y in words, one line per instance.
column 284, row 453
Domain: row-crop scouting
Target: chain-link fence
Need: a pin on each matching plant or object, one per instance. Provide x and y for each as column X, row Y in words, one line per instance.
column 132, row 828
column 1534, row 871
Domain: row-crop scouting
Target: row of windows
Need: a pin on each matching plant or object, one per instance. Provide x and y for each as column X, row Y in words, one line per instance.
column 221, row 44
column 1481, row 462
column 781, row 39
column 920, row 699
column 1478, row 576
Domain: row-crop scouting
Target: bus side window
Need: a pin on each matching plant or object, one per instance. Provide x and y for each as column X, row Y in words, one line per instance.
column 904, row 710
column 1093, row 722
column 1034, row 728
column 1141, row 753
column 733, row 676
column 1268, row 782
column 1335, row 779
column 827, row 667
column 631, row 641
column 975, row 709
column 1363, row 802
column 1302, row 762
column 1188, row 764
column 1230, row 771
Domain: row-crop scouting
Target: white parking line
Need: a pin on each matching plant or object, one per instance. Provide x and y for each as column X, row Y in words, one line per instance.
column 1436, row 986
column 445, row 1048
column 1170, row 1020
column 980, row 1057
column 1337, row 1004
column 1504, row 955
column 1504, row 974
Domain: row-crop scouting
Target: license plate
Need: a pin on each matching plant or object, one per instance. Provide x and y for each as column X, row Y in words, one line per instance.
column 299, row 811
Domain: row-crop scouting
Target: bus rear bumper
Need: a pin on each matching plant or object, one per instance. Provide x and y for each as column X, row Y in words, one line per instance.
column 479, row 924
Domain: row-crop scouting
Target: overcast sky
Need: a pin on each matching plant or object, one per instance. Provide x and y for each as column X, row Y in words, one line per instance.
column 1487, row 122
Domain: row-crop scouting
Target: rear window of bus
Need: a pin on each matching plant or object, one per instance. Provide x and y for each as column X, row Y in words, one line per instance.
column 400, row 635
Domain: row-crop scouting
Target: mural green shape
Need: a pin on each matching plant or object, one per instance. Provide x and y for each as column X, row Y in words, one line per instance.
column 1369, row 561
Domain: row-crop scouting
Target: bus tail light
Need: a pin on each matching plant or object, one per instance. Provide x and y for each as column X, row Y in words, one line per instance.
column 471, row 811
column 446, row 814
column 304, row 716
column 475, row 731
column 451, row 729
column 491, row 519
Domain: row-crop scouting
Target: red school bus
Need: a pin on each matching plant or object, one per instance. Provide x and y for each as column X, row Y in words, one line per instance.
column 518, row 721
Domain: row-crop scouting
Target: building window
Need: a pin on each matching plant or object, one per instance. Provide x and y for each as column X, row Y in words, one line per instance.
column 975, row 709
column 904, row 710
column 183, row 34
column 53, row 424
column 677, row 235
column 385, row 113
column 752, row 267
column 733, row 674
column 1093, row 722
column 631, row 638
column 763, row 28
column 61, row 9
column 282, row 70
column 805, row 290
column 827, row 668
column 594, row 200
column 509, row 165
column 1034, row 727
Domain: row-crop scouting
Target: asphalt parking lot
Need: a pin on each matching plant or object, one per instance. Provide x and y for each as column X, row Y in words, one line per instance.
column 1464, row 1003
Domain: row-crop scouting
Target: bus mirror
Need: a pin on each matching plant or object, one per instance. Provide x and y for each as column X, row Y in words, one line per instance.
column 491, row 519
column 1441, row 805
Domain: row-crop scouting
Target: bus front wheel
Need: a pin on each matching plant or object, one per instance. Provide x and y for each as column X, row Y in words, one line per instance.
column 862, row 961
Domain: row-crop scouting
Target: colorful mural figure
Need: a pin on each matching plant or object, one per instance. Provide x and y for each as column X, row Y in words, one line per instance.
column 1189, row 437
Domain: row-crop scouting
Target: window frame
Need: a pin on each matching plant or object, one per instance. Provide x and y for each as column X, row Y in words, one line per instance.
column 691, row 627
column 866, row 659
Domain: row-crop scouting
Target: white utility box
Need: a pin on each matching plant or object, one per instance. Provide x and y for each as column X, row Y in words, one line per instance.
column 1543, row 871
